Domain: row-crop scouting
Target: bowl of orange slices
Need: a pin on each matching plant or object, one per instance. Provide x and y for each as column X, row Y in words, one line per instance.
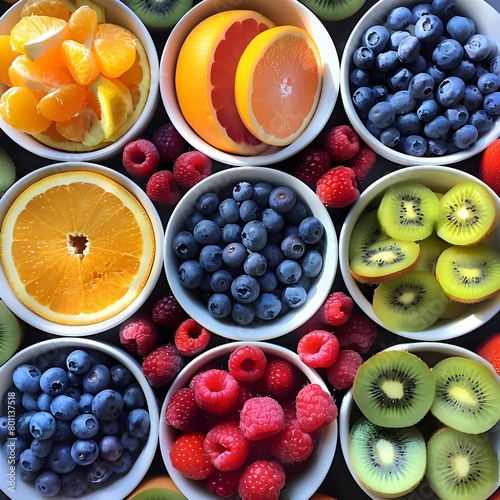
column 249, row 83
column 80, row 248
column 78, row 78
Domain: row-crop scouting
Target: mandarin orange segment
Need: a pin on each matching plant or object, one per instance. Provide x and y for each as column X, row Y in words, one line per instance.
column 80, row 61
column 83, row 127
column 54, row 8
column 7, row 55
column 82, row 25
column 64, row 102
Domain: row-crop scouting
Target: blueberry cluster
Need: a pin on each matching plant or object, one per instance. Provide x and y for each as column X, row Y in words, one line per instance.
column 252, row 251
column 71, row 423
column 425, row 82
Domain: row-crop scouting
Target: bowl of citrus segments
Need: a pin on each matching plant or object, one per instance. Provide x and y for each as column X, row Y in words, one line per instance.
column 80, row 250
column 77, row 80
column 277, row 60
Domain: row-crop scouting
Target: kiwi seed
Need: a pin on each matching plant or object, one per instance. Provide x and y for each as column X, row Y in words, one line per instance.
column 366, row 232
column 159, row 14
column 334, row 10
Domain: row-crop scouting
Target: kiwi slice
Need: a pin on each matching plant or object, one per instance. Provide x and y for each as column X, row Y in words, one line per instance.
column 469, row 274
column 159, row 14
column 461, row 466
column 430, row 250
column 388, row 462
column 394, row 389
column 7, row 171
column 383, row 260
column 467, row 395
column 11, row 333
column 366, row 232
column 334, row 10
column 454, row 310
column 466, row 214
column 411, row 302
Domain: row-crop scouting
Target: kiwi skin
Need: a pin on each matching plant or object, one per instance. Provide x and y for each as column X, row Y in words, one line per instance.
column 159, row 14
column 11, row 333
column 334, row 10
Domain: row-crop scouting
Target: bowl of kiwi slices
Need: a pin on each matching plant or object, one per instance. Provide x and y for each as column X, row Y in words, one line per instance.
column 428, row 427
column 419, row 252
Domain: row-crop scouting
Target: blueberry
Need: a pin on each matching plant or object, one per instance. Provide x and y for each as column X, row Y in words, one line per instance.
column 25, row 475
column 375, row 38
column 294, row 296
column 41, row 447
column 400, row 80
column 421, row 86
column 448, row 54
column 138, row 423
column 107, row 405
column 23, row 424
column 375, row 131
column 267, row 306
column 74, row 483
column 419, row 66
column 458, row 116
column 48, row 483
column 245, row 288
column 311, row 230
column 437, row 147
column 211, row 258
column 420, row 10
column 293, row 246
column 12, row 449
column 85, row 426
column 491, row 103
column 428, row 110
column 380, row 92
column 312, row 263
column 268, row 281
column 445, row 9
column 282, row 199
column 399, row 18
column 438, row 75
column 85, row 402
column 98, row 472
column 273, row 221
column 64, row 408
column 121, row 376
column 111, row 448
column 396, row 38
column 249, row 210
column 73, row 391
column 97, row 379
column 59, row 459
column 482, row 120
column 387, row 61
column 122, row 464
column 110, row 427
column 473, row 98
column 220, row 281
column 494, row 66
column 185, row 245
column 403, row 102
column 363, row 58
column 255, row 264
column 4, row 427
column 437, row 128
column 206, row 232
column 234, row 254
column 242, row 191
column 296, row 214
column 479, row 47
column 84, row 451
column 79, row 361
column 273, row 255
column 359, row 77
column 488, row 83
column 129, row 442
column 219, row 305
column 229, row 210
column 261, row 192
column 30, row 401
column 409, row 50
column 54, row 381
column 42, row 425
column 231, row 232
column 63, row 430
column 207, row 204
column 218, row 220
column 390, row 137
column 30, row 461
column 408, row 124
column 254, row 234
column 190, row 274
column 192, row 220
column 26, row 378
column 133, row 397
column 479, row 70
column 243, row 314
column 429, row 28
column 466, row 70
column 415, row 145
column 450, row 91
column 382, row 115
column 289, row 271
column 461, row 28
column 465, row 137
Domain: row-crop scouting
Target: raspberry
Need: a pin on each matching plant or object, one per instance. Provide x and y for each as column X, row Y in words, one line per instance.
column 167, row 312
column 318, row 349
column 162, row 365
column 488, row 166
column 279, row 378
column 182, row 411
column 337, row 308
column 140, row 335
column 247, row 363
column 191, row 167
column 188, row 457
column 341, row 374
column 261, row 417
column 216, row 391
column 358, row 333
column 262, row 480
column 226, row 446
column 169, row 142
column 315, row 408
column 489, row 349
column 224, row 484
column 311, row 164
column 162, row 188
column 342, row 143
column 191, row 338
column 338, row 187
column 292, row 444
column 140, row 158
column 362, row 162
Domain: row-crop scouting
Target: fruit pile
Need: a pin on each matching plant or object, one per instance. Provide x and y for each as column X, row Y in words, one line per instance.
column 420, row 422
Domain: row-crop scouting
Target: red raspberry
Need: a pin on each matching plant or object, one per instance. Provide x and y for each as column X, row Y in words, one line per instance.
column 337, row 308
column 341, row 374
column 342, row 143
column 162, row 188
column 315, row 408
column 489, row 349
column 279, row 378
column 358, row 333
column 169, row 142
column 188, row 457
column 182, row 411
column 167, row 312
column 140, row 158
column 488, row 166
column 261, row 417
column 216, row 391
column 162, row 365
column 139, row 335
column 338, row 187
column 311, row 164
column 362, row 162
column 224, row 484
column 292, row 444
column 191, row 338
column 262, row 480
column 191, row 167
column 226, row 446
column 247, row 363
column 318, row 349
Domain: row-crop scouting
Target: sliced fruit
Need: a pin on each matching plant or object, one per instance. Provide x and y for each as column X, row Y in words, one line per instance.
column 11, row 333
column 95, row 6
column 160, row 14
column 82, row 25
column 366, row 232
column 64, row 102
column 61, row 9
column 7, row 171
column 80, row 61
column 430, row 250
column 161, row 487
column 84, row 127
column 7, row 55
column 334, row 10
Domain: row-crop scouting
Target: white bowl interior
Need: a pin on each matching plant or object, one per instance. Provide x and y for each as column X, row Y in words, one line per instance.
column 284, row 12
column 118, row 488
column 439, row 179
column 116, row 12
column 320, row 287
column 30, row 317
column 487, row 20
column 309, row 480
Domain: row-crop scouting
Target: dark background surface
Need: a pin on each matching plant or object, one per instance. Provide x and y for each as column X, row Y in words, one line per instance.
column 339, row 482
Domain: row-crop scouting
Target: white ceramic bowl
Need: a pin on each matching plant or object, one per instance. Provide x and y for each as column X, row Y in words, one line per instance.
column 431, row 353
column 49, row 350
column 487, row 20
column 30, row 317
column 293, row 318
column 290, row 12
column 439, row 179
column 116, row 12
column 309, row 480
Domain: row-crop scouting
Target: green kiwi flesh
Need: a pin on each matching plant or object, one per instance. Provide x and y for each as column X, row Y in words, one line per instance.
column 159, row 14
column 467, row 395
column 469, row 274
column 411, row 302
column 11, row 333
column 159, row 494
column 461, row 466
column 408, row 211
column 366, row 232
column 7, row 171
column 430, row 250
column 466, row 214
column 334, row 10
column 394, row 389
column 388, row 462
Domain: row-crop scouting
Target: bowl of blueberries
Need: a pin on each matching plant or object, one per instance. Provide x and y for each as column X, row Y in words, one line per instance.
column 420, row 82
column 77, row 418
column 251, row 253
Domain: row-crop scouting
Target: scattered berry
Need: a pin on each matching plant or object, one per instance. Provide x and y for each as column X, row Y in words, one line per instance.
column 342, row 143
column 182, row 411
column 162, row 365
column 358, row 333
column 247, row 363
column 141, row 158
column 262, row 479
column 191, row 338
column 488, row 169
column 169, row 142
column 216, row 391
column 224, row 484
column 315, row 408
column 362, row 162
column 318, row 349
column 261, row 417
column 279, row 377
column 336, row 309
column 162, row 188
column 311, row 164
column 341, row 374
column 139, row 335
column 167, row 312
column 226, row 446
column 191, row 167
column 338, row 187
column 292, row 444
column 489, row 349
column 189, row 458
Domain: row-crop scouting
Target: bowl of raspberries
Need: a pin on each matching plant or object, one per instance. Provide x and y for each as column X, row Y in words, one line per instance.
column 244, row 410
column 250, row 252
column 78, row 418
column 420, row 81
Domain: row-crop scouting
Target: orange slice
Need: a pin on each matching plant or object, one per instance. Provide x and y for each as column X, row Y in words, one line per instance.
column 62, row 103
column 278, row 84
column 82, row 25
column 7, row 55
column 77, row 247
column 55, row 8
column 80, row 61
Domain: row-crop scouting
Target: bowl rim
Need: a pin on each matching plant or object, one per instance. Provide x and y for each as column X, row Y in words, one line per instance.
column 29, row 316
